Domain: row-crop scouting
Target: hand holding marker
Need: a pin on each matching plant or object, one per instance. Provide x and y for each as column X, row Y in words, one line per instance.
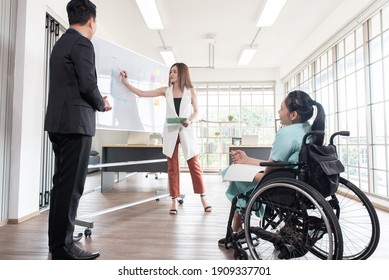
column 122, row 73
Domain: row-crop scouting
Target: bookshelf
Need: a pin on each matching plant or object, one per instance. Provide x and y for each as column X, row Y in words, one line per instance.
column 215, row 137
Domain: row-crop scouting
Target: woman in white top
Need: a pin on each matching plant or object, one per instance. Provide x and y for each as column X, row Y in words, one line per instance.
column 181, row 102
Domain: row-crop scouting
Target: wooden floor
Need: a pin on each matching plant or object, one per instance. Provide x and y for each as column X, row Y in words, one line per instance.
column 145, row 231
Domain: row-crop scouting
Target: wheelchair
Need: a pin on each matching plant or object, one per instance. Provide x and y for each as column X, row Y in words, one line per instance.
column 291, row 216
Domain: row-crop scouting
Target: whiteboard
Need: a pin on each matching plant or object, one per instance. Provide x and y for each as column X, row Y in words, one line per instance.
column 129, row 112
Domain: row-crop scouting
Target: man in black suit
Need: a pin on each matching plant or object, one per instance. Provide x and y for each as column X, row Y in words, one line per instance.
column 74, row 99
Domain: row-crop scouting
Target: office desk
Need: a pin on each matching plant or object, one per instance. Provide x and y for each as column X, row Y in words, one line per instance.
column 125, row 153
column 259, row 152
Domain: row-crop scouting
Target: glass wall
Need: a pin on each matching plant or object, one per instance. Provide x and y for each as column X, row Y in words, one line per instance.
column 349, row 80
column 8, row 13
column 53, row 31
column 228, row 111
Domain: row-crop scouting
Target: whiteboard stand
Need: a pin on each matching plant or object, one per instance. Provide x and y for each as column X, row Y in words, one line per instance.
column 107, row 179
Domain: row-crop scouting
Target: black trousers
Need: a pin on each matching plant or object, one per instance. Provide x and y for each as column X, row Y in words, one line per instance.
column 71, row 167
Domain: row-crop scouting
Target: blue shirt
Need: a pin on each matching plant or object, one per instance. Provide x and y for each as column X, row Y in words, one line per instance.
column 287, row 143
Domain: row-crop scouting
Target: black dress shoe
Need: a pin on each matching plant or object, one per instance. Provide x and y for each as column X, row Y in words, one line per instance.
column 73, row 253
column 76, row 238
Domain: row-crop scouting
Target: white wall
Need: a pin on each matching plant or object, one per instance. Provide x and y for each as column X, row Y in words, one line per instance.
column 241, row 75
column 235, row 75
column 343, row 16
column 27, row 110
column 57, row 9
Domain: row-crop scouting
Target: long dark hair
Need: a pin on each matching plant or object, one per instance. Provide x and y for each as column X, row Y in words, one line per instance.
column 184, row 80
column 80, row 11
column 302, row 103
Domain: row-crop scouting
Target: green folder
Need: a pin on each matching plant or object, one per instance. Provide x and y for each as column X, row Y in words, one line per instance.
column 175, row 120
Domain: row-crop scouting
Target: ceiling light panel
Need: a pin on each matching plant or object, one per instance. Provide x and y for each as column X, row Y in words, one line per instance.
column 270, row 12
column 247, row 55
column 168, row 56
column 150, row 14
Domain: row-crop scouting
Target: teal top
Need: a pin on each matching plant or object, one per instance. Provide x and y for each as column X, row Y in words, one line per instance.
column 287, row 143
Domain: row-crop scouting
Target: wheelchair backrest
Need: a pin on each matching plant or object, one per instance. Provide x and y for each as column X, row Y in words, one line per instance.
column 321, row 166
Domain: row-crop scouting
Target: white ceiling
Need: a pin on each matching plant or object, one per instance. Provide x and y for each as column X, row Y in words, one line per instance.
column 301, row 28
column 188, row 23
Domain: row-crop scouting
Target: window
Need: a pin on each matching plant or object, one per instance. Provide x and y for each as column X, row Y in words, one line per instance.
column 251, row 105
column 351, row 81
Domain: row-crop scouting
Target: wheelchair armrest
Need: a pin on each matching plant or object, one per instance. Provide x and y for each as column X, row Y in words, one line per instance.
column 279, row 164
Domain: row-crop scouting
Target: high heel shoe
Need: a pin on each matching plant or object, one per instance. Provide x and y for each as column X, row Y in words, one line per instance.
column 206, row 208
column 173, row 211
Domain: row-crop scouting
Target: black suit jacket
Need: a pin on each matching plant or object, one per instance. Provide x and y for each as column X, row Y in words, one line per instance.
column 74, row 95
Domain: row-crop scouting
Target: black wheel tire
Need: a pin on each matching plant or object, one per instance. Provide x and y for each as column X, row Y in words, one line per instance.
column 241, row 254
column 88, row 232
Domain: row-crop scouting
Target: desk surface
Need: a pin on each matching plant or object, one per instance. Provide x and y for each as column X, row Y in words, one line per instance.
column 131, row 146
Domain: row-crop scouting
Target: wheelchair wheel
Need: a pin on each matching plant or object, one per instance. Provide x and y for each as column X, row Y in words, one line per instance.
column 291, row 220
column 358, row 221
column 241, row 254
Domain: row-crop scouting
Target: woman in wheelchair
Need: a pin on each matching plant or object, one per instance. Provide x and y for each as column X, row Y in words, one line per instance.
column 295, row 112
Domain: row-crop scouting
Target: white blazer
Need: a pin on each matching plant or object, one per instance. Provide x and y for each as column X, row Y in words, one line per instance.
column 171, row 131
